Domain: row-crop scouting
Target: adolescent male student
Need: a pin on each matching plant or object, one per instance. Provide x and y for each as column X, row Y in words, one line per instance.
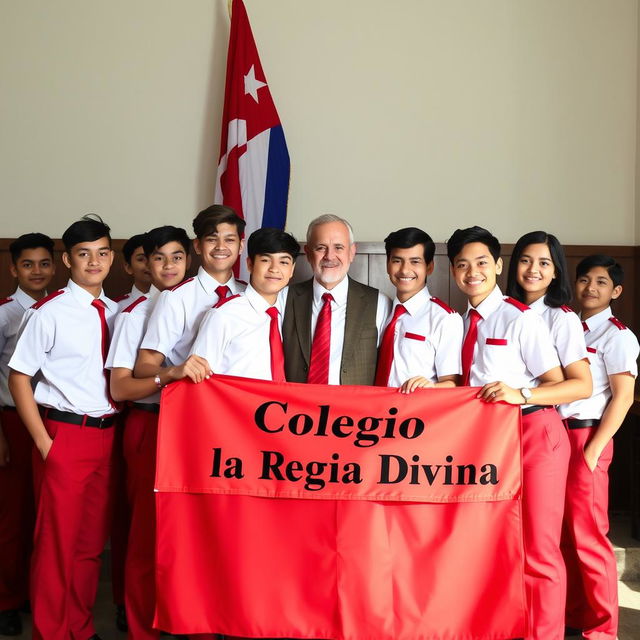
column 332, row 324
column 33, row 267
column 421, row 343
column 174, row 323
column 167, row 252
column 592, row 594
column 243, row 336
column 508, row 351
column 135, row 264
column 70, row 416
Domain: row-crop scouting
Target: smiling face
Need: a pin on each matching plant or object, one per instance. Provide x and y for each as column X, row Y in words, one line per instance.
column 475, row 271
column 219, row 251
column 535, row 271
column 89, row 263
column 34, row 269
column 270, row 273
column 408, row 271
column 168, row 265
column 330, row 253
column 595, row 291
column 138, row 268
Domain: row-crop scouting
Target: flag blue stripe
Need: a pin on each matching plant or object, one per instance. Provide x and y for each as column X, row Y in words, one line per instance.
column 277, row 187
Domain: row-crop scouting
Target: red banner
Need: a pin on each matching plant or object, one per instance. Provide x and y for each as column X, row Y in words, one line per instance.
column 288, row 510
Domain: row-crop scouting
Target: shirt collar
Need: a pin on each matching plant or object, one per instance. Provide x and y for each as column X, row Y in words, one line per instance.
column 595, row 321
column 339, row 292
column 153, row 293
column 489, row 304
column 539, row 306
column 84, row 298
column 259, row 304
column 136, row 293
column 23, row 299
column 210, row 284
column 416, row 303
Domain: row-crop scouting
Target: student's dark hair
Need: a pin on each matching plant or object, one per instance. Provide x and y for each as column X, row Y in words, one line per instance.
column 615, row 271
column 129, row 247
column 88, row 229
column 207, row 221
column 158, row 237
column 271, row 240
column 410, row 237
column 559, row 291
column 30, row 241
column 462, row 237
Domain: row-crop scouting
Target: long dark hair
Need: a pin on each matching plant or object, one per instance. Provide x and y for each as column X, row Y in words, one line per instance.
column 559, row 291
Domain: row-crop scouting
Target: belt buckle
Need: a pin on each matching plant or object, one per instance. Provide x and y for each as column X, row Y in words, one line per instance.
column 101, row 424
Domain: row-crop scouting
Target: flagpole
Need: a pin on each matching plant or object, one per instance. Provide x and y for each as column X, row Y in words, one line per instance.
column 229, row 3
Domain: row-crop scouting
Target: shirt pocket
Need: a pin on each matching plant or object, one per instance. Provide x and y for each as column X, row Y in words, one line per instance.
column 497, row 342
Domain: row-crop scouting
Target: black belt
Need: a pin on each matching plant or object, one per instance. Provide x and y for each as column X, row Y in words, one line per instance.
column 532, row 409
column 151, row 407
column 75, row 418
column 573, row 423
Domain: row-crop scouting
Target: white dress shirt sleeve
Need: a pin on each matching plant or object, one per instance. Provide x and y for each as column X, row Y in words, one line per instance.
column 166, row 325
column 212, row 339
column 621, row 353
column 35, row 341
column 449, row 346
column 536, row 346
column 568, row 337
column 127, row 334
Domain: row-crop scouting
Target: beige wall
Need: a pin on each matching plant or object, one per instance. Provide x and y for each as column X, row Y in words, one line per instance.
column 514, row 115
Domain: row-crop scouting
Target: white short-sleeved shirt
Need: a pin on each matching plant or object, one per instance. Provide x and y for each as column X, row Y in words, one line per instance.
column 514, row 345
column 174, row 323
column 12, row 310
column 129, row 329
column 234, row 339
column 566, row 331
column 427, row 340
column 61, row 341
column 124, row 301
column 338, row 318
column 612, row 348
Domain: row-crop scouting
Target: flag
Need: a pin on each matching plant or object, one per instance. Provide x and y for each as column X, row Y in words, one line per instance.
column 253, row 167
column 291, row 511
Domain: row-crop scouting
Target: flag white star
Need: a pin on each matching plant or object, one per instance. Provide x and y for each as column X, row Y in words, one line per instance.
column 251, row 85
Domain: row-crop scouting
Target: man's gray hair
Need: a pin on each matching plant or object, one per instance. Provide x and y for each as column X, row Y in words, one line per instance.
column 325, row 219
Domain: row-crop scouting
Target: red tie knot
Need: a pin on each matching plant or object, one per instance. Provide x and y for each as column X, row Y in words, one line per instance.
column 222, row 291
column 398, row 311
column 98, row 304
column 273, row 312
column 327, row 298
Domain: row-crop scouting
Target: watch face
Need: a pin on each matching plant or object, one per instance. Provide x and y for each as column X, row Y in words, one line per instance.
column 526, row 393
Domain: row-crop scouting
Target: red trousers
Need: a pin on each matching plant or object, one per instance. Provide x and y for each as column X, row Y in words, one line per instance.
column 592, row 594
column 140, row 437
column 74, row 488
column 545, row 462
column 17, row 514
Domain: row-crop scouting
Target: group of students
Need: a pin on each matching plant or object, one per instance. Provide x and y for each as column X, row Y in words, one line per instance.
column 77, row 369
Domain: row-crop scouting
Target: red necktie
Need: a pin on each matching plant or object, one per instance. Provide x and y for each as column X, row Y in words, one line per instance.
column 469, row 345
column 223, row 292
column 320, row 348
column 100, row 306
column 385, row 357
column 275, row 344
column 585, row 327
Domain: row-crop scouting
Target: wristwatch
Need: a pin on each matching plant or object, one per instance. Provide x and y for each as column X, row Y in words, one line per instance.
column 158, row 382
column 526, row 394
